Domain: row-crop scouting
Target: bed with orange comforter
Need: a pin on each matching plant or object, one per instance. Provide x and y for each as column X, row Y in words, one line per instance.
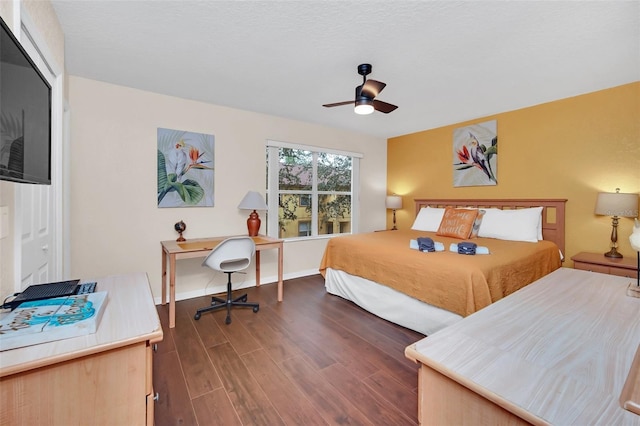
column 458, row 283
column 428, row 291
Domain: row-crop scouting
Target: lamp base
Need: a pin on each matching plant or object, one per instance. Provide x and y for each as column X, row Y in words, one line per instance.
column 633, row 290
column 613, row 253
column 253, row 224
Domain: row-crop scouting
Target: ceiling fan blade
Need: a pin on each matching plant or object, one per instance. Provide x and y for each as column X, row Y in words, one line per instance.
column 338, row 104
column 372, row 88
column 383, row 106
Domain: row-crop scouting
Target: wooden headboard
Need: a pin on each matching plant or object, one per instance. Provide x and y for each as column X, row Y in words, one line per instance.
column 552, row 211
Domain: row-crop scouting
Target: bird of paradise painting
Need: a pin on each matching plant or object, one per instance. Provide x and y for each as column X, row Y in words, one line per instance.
column 185, row 169
column 475, row 152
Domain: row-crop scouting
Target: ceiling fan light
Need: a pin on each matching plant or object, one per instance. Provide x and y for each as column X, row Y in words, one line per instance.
column 363, row 107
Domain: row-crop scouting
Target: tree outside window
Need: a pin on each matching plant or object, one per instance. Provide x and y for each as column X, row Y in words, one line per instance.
column 313, row 190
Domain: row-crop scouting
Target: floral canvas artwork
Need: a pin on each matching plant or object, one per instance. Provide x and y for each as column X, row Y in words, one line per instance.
column 185, row 169
column 475, row 155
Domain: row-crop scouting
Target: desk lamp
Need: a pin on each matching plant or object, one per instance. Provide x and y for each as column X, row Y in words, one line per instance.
column 253, row 201
column 616, row 204
column 394, row 202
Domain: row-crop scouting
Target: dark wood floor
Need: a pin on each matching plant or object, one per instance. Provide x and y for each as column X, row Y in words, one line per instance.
column 312, row 359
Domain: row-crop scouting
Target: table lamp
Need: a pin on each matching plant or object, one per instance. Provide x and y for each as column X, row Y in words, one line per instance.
column 394, row 202
column 634, row 239
column 253, row 201
column 616, row 204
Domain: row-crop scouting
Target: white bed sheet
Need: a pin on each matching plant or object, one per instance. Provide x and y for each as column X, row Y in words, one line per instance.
column 388, row 303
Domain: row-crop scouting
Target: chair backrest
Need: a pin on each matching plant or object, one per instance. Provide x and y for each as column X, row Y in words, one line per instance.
column 231, row 255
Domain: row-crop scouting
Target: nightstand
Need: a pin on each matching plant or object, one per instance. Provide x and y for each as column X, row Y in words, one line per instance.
column 595, row 262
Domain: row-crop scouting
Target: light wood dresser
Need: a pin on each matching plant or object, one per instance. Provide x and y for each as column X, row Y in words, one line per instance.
column 559, row 351
column 103, row 378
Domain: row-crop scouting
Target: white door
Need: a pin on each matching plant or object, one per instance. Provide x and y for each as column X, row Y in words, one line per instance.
column 36, row 229
column 37, row 263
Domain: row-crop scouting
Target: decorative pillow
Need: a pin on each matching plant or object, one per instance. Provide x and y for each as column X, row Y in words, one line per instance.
column 457, row 223
column 476, row 224
column 512, row 225
column 428, row 219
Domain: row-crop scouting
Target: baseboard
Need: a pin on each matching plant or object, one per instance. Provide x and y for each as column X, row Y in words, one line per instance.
column 223, row 288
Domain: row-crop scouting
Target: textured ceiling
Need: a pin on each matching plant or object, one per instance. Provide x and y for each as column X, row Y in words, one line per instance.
column 443, row 61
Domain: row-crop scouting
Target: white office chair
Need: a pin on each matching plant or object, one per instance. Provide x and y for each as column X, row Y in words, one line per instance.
column 232, row 255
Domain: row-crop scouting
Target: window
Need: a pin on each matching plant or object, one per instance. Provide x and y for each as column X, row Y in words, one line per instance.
column 310, row 190
column 304, row 228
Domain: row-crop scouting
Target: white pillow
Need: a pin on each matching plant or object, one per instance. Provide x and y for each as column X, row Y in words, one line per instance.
column 512, row 225
column 540, row 237
column 428, row 219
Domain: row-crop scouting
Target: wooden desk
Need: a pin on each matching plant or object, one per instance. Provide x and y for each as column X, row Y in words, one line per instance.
column 558, row 351
column 200, row 247
column 103, row 378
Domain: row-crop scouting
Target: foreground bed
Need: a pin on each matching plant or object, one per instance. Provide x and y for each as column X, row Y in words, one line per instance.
column 428, row 291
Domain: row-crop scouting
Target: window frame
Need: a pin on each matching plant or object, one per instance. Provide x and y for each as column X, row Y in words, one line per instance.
column 273, row 168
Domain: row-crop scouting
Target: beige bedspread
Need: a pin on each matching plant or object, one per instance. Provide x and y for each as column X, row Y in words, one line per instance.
column 458, row 283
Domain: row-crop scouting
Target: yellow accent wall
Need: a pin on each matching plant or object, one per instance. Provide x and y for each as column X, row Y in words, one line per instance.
column 571, row 148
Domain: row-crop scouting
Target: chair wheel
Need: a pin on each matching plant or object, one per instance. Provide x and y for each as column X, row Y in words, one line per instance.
column 196, row 316
column 256, row 308
column 244, row 298
column 227, row 320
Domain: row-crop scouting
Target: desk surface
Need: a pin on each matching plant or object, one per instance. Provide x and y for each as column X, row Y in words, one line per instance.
column 559, row 350
column 205, row 244
column 130, row 316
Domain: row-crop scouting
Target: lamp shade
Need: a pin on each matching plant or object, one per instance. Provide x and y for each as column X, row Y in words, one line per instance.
column 253, row 201
column 393, row 202
column 617, row 204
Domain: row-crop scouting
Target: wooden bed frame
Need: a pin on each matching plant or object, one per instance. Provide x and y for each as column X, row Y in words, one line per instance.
column 553, row 211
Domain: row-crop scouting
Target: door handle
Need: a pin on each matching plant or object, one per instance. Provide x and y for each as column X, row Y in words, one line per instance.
column 45, row 247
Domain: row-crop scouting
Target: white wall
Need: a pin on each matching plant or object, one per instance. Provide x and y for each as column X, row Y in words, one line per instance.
column 116, row 226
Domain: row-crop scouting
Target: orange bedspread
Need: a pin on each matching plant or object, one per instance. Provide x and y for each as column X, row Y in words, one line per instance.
column 458, row 283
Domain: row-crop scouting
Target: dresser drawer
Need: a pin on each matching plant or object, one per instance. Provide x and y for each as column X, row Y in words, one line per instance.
column 623, row 272
column 591, row 267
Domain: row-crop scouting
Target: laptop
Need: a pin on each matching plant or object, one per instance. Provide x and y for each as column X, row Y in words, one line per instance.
column 44, row 291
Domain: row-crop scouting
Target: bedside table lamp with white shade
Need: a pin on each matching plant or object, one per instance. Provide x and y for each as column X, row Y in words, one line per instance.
column 393, row 202
column 634, row 239
column 616, row 204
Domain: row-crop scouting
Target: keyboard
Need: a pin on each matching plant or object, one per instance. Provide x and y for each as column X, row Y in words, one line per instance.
column 44, row 291
column 86, row 288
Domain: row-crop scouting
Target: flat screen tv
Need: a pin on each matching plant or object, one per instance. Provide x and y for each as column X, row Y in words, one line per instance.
column 25, row 115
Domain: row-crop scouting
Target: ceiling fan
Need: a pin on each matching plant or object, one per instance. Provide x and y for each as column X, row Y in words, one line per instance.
column 365, row 102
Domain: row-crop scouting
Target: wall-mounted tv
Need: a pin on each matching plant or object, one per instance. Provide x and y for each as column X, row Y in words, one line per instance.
column 25, row 115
